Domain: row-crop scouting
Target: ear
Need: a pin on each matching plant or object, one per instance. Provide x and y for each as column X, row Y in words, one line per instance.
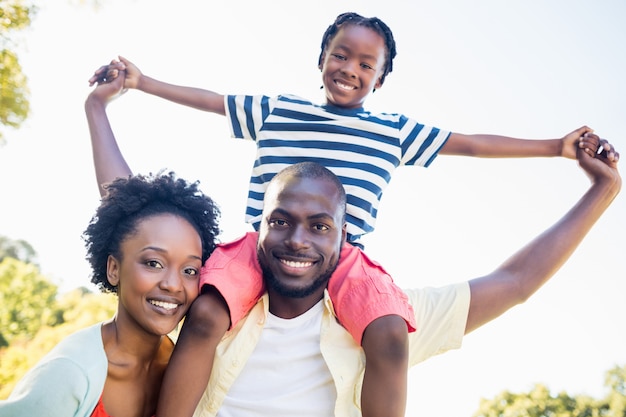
column 113, row 271
column 379, row 83
column 320, row 63
column 344, row 232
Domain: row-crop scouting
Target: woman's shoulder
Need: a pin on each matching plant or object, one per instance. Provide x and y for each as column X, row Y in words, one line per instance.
column 84, row 348
column 89, row 338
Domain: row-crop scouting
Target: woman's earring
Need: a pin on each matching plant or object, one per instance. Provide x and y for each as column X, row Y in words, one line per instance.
column 321, row 87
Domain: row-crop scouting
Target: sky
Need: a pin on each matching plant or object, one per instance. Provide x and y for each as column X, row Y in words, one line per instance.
column 529, row 69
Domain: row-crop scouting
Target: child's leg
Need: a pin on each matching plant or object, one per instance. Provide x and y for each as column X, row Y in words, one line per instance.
column 189, row 369
column 386, row 346
column 378, row 316
column 231, row 282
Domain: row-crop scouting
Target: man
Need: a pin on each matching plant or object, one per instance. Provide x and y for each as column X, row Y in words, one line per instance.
column 260, row 366
column 289, row 356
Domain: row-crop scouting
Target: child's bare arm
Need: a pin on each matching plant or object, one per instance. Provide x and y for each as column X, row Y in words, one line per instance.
column 495, row 146
column 197, row 98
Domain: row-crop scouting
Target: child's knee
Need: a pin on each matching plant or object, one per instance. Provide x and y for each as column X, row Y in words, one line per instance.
column 208, row 315
column 386, row 338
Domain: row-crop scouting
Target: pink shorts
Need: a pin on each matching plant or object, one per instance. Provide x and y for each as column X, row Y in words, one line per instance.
column 360, row 289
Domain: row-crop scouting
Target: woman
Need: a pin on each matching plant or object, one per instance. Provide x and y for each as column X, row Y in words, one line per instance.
column 146, row 242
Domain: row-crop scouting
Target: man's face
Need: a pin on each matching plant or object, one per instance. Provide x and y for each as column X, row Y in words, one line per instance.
column 300, row 239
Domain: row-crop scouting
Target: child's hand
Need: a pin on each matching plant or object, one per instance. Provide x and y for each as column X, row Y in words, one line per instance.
column 572, row 141
column 590, row 143
column 106, row 73
column 133, row 74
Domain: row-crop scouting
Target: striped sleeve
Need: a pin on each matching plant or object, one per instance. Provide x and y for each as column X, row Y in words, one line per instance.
column 246, row 115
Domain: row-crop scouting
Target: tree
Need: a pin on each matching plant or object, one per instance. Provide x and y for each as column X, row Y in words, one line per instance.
column 15, row 15
column 540, row 403
column 616, row 381
column 33, row 318
column 27, row 300
column 80, row 308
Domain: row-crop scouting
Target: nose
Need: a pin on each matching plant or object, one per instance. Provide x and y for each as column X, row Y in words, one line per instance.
column 348, row 68
column 172, row 281
column 298, row 238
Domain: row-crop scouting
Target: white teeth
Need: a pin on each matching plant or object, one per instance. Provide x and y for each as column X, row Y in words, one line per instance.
column 294, row 264
column 163, row 304
column 345, row 86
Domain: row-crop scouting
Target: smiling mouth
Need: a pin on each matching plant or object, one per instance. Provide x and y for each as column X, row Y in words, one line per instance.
column 164, row 305
column 343, row 86
column 296, row 264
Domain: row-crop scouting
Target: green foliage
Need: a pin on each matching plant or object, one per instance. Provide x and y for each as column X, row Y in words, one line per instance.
column 540, row 403
column 616, row 381
column 27, row 300
column 80, row 308
column 14, row 93
column 15, row 15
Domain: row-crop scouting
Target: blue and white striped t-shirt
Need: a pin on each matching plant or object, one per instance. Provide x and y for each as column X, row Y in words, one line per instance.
column 361, row 148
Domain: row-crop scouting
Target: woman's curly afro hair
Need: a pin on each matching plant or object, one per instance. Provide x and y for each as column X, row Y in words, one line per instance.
column 132, row 199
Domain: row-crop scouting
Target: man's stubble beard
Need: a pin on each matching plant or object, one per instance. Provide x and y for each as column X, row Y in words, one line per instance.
column 271, row 281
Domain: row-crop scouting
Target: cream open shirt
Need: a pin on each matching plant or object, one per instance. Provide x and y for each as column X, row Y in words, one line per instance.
column 441, row 315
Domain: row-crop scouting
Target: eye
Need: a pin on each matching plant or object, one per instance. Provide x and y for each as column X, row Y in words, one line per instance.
column 320, row 227
column 192, row 272
column 367, row 66
column 339, row 57
column 154, row 264
column 278, row 223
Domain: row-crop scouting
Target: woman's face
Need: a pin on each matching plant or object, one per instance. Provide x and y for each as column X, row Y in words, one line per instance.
column 158, row 274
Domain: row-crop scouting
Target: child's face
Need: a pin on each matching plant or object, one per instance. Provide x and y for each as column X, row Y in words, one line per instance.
column 352, row 66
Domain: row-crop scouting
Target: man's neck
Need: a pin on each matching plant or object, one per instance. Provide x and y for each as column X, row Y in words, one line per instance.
column 289, row 307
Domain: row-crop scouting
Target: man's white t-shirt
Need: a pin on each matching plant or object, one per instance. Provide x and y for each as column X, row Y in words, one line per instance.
column 299, row 380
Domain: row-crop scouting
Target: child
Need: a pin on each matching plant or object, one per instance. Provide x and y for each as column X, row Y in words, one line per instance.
column 363, row 149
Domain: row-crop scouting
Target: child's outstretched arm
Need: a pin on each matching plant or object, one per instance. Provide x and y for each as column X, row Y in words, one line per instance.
column 494, row 146
column 189, row 96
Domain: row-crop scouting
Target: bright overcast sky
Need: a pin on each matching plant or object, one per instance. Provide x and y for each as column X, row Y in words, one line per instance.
column 530, row 69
